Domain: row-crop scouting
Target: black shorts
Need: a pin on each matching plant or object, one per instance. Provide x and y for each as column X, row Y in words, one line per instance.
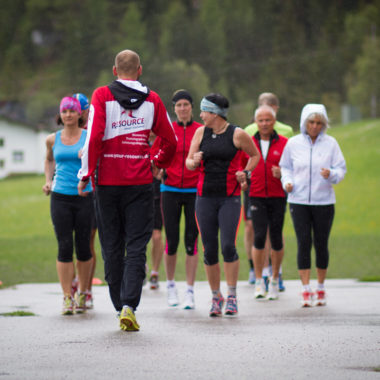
column 268, row 212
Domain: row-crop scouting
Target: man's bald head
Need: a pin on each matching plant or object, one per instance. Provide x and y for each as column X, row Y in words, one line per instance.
column 127, row 65
column 269, row 99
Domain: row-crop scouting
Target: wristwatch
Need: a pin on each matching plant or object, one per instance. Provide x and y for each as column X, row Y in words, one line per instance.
column 247, row 173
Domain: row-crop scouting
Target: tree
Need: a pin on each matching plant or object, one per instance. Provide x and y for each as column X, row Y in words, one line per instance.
column 364, row 82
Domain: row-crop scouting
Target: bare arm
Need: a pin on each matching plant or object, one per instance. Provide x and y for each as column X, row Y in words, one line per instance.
column 243, row 141
column 49, row 164
column 195, row 156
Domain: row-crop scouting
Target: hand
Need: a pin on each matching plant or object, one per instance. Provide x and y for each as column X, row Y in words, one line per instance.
column 288, row 187
column 197, row 158
column 157, row 172
column 325, row 173
column 276, row 171
column 241, row 177
column 47, row 188
column 81, row 186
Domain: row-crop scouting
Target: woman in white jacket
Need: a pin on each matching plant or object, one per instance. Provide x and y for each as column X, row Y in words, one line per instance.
column 310, row 164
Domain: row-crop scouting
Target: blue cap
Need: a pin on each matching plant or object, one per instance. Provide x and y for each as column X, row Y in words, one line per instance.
column 83, row 100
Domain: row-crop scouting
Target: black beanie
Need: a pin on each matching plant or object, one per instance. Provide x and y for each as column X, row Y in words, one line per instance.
column 181, row 94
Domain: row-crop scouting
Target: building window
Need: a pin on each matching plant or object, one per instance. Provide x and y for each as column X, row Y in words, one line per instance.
column 18, row 156
column 1, row 142
column 2, row 164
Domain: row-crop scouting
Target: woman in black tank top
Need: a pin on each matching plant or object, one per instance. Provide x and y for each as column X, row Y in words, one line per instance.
column 216, row 149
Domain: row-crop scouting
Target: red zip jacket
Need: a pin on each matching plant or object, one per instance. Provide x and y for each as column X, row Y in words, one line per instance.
column 177, row 175
column 117, row 138
column 263, row 184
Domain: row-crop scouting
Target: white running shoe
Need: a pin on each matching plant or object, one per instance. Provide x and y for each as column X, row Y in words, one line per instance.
column 307, row 299
column 172, row 296
column 273, row 290
column 321, row 298
column 189, row 303
column 260, row 290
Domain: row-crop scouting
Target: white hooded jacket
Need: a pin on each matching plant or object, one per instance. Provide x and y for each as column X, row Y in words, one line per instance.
column 302, row 161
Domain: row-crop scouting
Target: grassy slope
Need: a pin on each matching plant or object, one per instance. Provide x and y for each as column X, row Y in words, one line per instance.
column 28, row 246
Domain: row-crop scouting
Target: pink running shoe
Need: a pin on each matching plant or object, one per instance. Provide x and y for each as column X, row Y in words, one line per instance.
column 216, row 307
column 321, row 298
column 231, row 305
column 89, row 301
column 307, row 299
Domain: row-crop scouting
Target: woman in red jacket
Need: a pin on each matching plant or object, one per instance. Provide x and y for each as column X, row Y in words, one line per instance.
column 268, row 201
column 178, row 192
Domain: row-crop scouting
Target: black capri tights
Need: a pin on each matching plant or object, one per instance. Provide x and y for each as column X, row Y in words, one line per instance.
column 172, row 203
column 222, row 213
column 312, row 224
column 268, row 212
column 72, row 214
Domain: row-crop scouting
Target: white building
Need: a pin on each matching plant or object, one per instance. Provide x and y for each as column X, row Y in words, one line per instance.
column 22, row 149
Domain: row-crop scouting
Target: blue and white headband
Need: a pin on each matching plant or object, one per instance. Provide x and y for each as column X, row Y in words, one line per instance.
column 208, row 106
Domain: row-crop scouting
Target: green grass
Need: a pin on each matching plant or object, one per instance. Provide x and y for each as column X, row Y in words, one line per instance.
column 28, row 247
column 18, row 313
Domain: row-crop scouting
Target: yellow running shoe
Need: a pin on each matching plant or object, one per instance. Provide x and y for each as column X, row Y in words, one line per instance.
column 128, row 320
column 68, row 305
column 80, row 302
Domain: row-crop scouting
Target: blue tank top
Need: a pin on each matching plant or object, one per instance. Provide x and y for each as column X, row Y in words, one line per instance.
column 67, row 165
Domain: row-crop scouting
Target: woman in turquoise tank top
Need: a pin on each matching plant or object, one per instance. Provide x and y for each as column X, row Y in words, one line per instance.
column 71, row 214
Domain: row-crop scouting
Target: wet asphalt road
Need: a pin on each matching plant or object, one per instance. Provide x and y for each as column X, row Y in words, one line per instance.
column 267, row 340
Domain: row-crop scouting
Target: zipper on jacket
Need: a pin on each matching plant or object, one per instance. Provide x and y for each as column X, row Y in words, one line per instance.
column 183, row 155
column 310, row 171
column 265, row 166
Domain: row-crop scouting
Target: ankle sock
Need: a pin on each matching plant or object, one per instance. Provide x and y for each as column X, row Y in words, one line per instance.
column 190, row 288
column 306, row 288
column 232, row 290
column 266, row 272
column 321, row 286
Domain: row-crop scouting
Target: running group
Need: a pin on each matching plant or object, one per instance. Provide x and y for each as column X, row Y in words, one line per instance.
column 133, row 181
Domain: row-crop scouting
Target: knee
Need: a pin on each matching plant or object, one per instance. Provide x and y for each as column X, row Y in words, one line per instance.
column 259, row 242
column 156, row 236
column 170, row 251
column 210, row 259
column 277, row 244
column 65, row 255
column 65, row 258
column 229, row 253
column 322, row 260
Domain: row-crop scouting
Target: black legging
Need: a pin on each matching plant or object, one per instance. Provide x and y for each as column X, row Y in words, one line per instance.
column 214, row 214
column 172, row 203
column 72, row 214
column 312, row 224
